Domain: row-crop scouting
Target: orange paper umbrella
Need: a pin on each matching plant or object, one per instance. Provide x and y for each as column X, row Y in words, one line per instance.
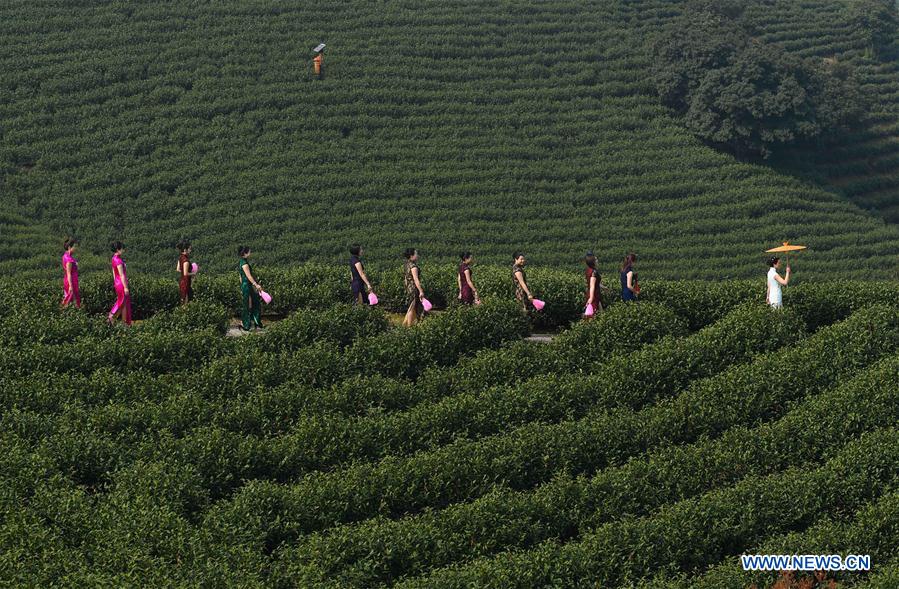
column 786, row 247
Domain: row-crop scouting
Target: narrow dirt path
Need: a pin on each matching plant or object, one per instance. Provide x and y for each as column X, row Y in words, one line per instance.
column 396, row 319
column 543, row 338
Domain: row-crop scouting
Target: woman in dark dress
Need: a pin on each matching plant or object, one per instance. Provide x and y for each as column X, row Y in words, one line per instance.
column 251, row 307
column 520, row 280
column 630, row 288
column 414, row 292
column 468, row 294
column 358, row 278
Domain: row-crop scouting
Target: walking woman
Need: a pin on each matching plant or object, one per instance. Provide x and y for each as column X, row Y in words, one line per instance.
column 185, row 272
column 594, row 283
column 522, row 292
column 414, row 292
column 468, row 294
column 122, row 306
column 630, row 288
column 774, row 296
column 251, row 308
column 358, row 279
column 70, row 289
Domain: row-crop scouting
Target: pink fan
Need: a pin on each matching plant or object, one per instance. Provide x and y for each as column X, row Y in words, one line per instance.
column 267, row 298
column 426, row 304
column 372, row 298
column 194, row 268
column 588, row 312
column 538, row 304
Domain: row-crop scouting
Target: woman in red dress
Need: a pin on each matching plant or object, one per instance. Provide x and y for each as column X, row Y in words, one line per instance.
column 468, row 294
column 185, row 273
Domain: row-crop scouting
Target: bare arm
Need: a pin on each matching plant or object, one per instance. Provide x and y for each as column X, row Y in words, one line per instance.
column 459, row 284
column 246, row 270
column 121, row 270
column 785, row 280
column 630, row 280
column 470, row 282
column 524, row 286
column 421, row 291
column 592, row 288
column 362, row 275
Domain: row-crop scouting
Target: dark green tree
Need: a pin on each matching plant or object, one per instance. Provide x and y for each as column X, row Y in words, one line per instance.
column 763, row 98
column 684, row 54
column 749, row 97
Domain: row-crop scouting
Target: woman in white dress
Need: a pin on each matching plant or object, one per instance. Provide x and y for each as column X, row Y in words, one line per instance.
column 774, row 296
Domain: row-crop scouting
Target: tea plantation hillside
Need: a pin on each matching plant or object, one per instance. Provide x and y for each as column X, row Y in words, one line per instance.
column 863, row 165
column 652, row 444
column 493, row 126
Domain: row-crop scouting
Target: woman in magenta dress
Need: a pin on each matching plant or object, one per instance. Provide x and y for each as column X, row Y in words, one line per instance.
column 70, row 289
column 122, row 304
column 468, row 294
column 594, row 283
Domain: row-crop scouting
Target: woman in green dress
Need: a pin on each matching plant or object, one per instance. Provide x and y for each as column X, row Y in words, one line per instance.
column 412, row 283
column 251, row 309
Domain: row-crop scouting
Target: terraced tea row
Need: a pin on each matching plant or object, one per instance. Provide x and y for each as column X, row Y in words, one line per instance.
column 532, row 454
column 382, row 550
column 695, row 532
column 168, row 474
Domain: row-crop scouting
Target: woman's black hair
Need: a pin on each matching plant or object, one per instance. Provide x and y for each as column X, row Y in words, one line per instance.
column 590, row 260
column 516, row 255
column 242, row 250
column 355, row 249
column 772, row 261
column 183, row 245
column 69, row 242
column 116, row 246
column 409, row 252
column 628, row 261
column 465, row 255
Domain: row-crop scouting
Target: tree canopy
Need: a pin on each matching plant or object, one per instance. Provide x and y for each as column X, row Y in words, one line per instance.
column 736, row 91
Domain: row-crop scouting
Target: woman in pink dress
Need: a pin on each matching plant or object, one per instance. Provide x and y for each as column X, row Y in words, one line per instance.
column 70, row 289
column 122, row 304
